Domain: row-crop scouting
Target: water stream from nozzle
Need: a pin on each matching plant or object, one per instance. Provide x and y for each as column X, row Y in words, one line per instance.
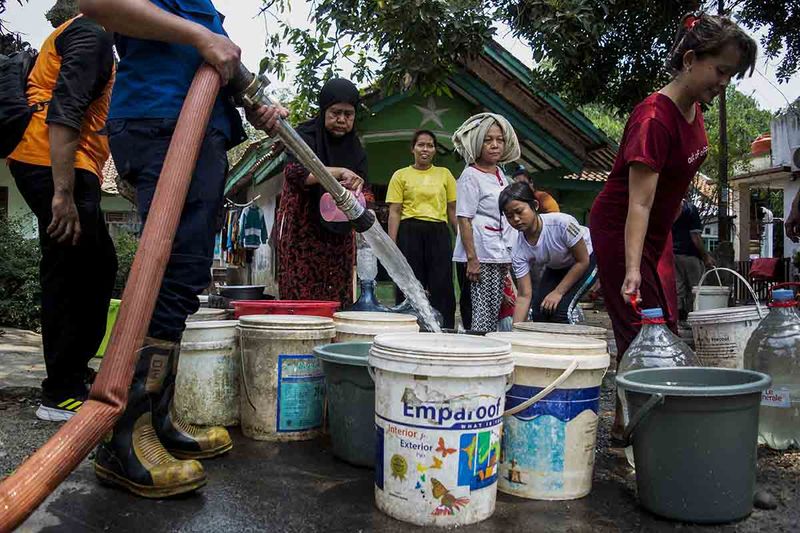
column 252, row 92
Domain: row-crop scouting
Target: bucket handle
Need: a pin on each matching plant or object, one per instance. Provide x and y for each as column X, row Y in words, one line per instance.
column 761, row 313
column 545, row 391
column 655, row 399
column 371, row 372
column 244, row 380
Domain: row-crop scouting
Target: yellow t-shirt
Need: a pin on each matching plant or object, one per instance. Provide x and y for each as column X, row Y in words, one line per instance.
column 423, row 193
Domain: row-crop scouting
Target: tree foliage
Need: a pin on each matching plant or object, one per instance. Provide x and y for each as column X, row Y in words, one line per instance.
column 746, row 121
column 10, row 41
column 610, row 52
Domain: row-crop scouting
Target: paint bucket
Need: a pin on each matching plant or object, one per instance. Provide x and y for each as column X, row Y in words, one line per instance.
column 206, row 314
column 282, row 383
column 552, row 410
column 710, row 297
column 694, row 433
column 350, row 397
column 549, row 328
column 717, row 297
column 207, row 383
column 438, row 420
column 362, row 326
column 721, row 335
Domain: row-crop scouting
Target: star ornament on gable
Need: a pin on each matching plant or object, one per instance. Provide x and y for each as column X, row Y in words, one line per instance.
column 431, row 114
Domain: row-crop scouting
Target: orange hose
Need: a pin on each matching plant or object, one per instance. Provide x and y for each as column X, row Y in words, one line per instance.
column 22, row 492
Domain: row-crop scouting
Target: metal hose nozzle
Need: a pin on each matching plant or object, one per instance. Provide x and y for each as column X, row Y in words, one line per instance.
column 251, row 91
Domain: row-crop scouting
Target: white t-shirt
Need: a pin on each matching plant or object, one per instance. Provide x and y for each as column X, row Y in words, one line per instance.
column 560, row 232
column 477, row 195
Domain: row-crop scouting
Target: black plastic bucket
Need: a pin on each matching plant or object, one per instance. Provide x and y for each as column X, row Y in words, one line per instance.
column 694, row 433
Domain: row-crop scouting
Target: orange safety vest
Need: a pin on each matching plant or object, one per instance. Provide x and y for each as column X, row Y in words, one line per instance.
column 34, row 148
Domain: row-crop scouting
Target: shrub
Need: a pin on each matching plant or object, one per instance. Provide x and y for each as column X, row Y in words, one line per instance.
column 126, row 245
column 20, row 293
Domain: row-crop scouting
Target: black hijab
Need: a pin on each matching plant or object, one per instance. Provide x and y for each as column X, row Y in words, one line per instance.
column 345, row 151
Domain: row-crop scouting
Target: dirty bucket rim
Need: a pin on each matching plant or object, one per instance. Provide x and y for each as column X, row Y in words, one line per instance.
column 211, row 324
column 760, row 382
column 579, row 330
column 541, row 340
column 711, row 289
column 441, row 344
column 328, row 353
column 745, row 312
column 378, row 316
column 282, row 321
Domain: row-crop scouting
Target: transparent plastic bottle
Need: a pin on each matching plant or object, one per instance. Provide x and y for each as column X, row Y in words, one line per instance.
column 774, row 348
column 654, row 347
column 366, row 262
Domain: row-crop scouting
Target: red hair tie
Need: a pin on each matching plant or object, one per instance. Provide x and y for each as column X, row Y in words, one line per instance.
column 690, row 22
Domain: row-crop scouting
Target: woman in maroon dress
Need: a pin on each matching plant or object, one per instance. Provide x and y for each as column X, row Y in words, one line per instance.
column 663, row 145
column 315, row 257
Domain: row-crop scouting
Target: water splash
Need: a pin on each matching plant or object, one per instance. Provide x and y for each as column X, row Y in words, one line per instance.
column 400, row 271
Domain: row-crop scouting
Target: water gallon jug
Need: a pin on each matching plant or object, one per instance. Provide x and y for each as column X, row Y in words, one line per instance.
column 367, row 300
column 774, row 348
column 654, row 347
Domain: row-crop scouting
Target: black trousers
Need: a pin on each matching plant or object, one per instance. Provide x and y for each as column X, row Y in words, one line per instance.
column 76, row 281
column 426, row 246
column 139, row 148
column 564, row 312
column 465, row 301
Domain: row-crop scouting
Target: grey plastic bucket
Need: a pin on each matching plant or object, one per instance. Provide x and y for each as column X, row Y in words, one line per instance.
column 694, row 434
column 350, row 393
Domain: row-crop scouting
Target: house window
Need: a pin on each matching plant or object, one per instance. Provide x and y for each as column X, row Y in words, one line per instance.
column 3, row 203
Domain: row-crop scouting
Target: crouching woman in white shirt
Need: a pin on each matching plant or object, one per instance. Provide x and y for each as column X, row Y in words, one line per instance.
column 556, row 242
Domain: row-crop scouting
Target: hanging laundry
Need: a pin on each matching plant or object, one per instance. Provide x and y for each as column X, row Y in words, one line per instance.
column 252, row 227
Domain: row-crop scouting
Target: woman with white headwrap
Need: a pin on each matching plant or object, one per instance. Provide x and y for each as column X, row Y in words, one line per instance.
column 482, row 249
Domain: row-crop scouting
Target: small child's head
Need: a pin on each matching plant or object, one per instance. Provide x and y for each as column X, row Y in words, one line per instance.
column 518, row 203
column 708, row 51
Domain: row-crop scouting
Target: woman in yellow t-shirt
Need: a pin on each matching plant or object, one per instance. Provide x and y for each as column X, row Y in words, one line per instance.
column 422, row 201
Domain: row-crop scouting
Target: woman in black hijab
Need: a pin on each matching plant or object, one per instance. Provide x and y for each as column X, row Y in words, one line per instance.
column 316, row 257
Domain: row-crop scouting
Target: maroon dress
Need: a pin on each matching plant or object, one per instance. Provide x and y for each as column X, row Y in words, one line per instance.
column 313, row 263
column 658, row 136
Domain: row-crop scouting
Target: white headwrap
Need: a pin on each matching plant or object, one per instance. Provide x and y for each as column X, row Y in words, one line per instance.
column 468, row 138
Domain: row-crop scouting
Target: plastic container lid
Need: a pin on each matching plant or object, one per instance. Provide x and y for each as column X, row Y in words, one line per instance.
column 653, row 312
column 782, row 295
column 286, row 322
column 727, row 314
column 344, row 353
column 374, row 322
column 555, row 351
column 441, row 355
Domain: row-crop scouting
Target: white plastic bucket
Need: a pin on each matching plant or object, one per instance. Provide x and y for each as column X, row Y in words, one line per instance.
column 552, row 411
column 438, row 418
column 207, row 383
column 282, row 384
column 548, row 328
column 710, row 297
column 721, row 335
column 362, row 326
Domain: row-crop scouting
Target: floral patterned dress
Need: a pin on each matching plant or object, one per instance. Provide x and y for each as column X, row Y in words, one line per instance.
column 313, row 263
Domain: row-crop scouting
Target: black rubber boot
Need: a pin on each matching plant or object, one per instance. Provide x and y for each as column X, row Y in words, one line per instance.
column 180, row 438
column 131, row 456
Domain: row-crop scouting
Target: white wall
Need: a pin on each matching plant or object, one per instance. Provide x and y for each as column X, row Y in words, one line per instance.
column 263, row 266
